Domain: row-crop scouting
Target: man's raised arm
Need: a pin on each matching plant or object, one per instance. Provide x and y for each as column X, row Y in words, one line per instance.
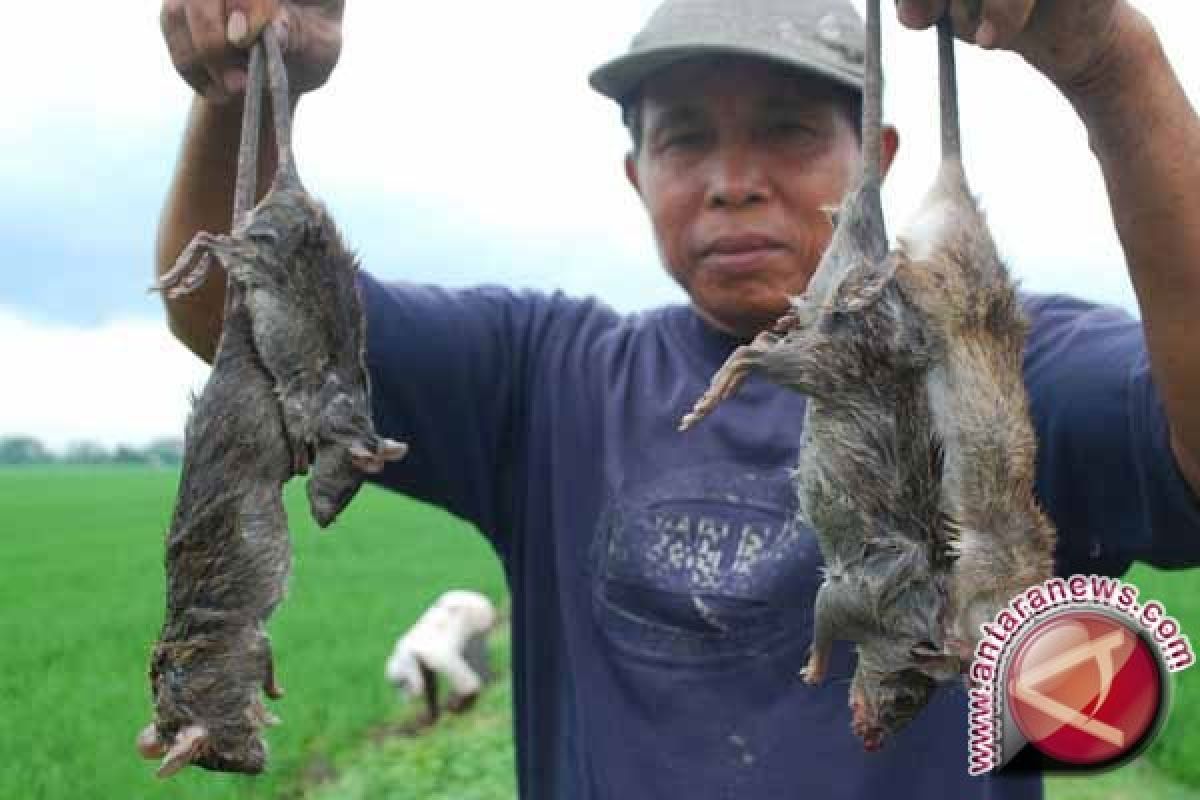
column 207, row 41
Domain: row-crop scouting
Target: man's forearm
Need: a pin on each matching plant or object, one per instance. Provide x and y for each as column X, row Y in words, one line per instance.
column 200, row 198
column 1146, row 137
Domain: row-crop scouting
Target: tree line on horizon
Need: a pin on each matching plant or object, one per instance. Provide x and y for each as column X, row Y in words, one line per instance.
column 22, row 450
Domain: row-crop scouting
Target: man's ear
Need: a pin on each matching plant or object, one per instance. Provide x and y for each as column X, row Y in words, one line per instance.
column 631, row 172
column 889, row 143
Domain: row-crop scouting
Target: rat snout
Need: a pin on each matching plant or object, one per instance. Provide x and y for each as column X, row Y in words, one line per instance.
column 329, row 495
column 864, row 723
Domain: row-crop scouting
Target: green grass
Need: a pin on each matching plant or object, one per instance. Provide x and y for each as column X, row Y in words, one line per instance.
column 468, row 757
column 1140, row 780
column 81, row 602
column 1176, row 751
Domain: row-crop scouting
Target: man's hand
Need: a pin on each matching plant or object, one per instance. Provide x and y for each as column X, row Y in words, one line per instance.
column 207, row 40
column 1070, row 41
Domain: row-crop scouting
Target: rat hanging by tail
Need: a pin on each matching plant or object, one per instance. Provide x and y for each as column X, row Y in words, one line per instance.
column 288, row 393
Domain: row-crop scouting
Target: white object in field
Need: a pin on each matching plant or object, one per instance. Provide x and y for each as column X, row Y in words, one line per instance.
column 451, row 639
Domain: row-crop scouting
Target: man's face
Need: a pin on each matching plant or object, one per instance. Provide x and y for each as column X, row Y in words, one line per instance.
column 739, row 157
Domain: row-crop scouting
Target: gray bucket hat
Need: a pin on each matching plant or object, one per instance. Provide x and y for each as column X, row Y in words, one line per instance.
column 825, row 37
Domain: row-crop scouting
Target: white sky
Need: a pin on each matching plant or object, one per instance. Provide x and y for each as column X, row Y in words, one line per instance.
column 478, row 116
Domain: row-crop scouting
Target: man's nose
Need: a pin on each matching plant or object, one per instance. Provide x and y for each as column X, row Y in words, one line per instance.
column 737, row 179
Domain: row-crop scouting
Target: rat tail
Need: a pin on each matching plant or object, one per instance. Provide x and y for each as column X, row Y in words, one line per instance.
column 872, row 121
column 281, row 111
column 948, row 86
column 245, row 190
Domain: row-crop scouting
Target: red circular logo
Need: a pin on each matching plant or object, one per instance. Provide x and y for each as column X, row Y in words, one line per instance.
column 1084, row 688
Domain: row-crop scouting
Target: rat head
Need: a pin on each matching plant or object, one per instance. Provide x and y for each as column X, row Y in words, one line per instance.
column 348, row 449
column 206, row 697
column 884, row 702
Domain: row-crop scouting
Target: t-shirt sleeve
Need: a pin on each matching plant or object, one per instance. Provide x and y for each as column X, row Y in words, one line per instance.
column 1106, row 473
column 449, row 372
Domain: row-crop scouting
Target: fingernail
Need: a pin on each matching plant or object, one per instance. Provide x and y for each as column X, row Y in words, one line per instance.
column 236, row 29
column 235, row 80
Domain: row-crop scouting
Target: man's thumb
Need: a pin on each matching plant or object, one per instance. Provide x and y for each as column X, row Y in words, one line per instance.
column 246, row 20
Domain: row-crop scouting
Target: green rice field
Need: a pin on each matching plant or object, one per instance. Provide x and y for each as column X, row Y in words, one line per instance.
column 82, row 601
column 81, row 586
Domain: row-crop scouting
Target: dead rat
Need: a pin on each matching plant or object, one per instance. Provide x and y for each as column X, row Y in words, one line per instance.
column 976, row 388
column 870, row 471
column 260, row 417
column 228, row 553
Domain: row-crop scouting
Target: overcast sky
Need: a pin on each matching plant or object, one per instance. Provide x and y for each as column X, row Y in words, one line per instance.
column 455, row 143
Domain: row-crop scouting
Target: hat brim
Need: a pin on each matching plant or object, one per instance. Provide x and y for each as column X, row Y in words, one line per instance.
column 620, row 77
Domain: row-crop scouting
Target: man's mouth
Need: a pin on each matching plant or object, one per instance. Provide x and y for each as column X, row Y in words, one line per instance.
column 740, row 250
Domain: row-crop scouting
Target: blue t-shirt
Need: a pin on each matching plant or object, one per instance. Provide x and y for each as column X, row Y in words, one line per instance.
column 662, row 591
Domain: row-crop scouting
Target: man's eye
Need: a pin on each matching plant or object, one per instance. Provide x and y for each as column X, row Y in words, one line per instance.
column 683, row 139
column 788, row 127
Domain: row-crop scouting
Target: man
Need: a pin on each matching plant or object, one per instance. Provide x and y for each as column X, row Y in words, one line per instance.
column 449, row 639
column 661, row 590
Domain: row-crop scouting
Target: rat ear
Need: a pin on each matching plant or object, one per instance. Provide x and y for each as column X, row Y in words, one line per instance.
column 834, row 213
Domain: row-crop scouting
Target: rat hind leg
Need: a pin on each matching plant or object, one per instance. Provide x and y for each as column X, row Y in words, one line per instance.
column 730, row 376
column 826, row 613
column 192, row 267
column 813, row 362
